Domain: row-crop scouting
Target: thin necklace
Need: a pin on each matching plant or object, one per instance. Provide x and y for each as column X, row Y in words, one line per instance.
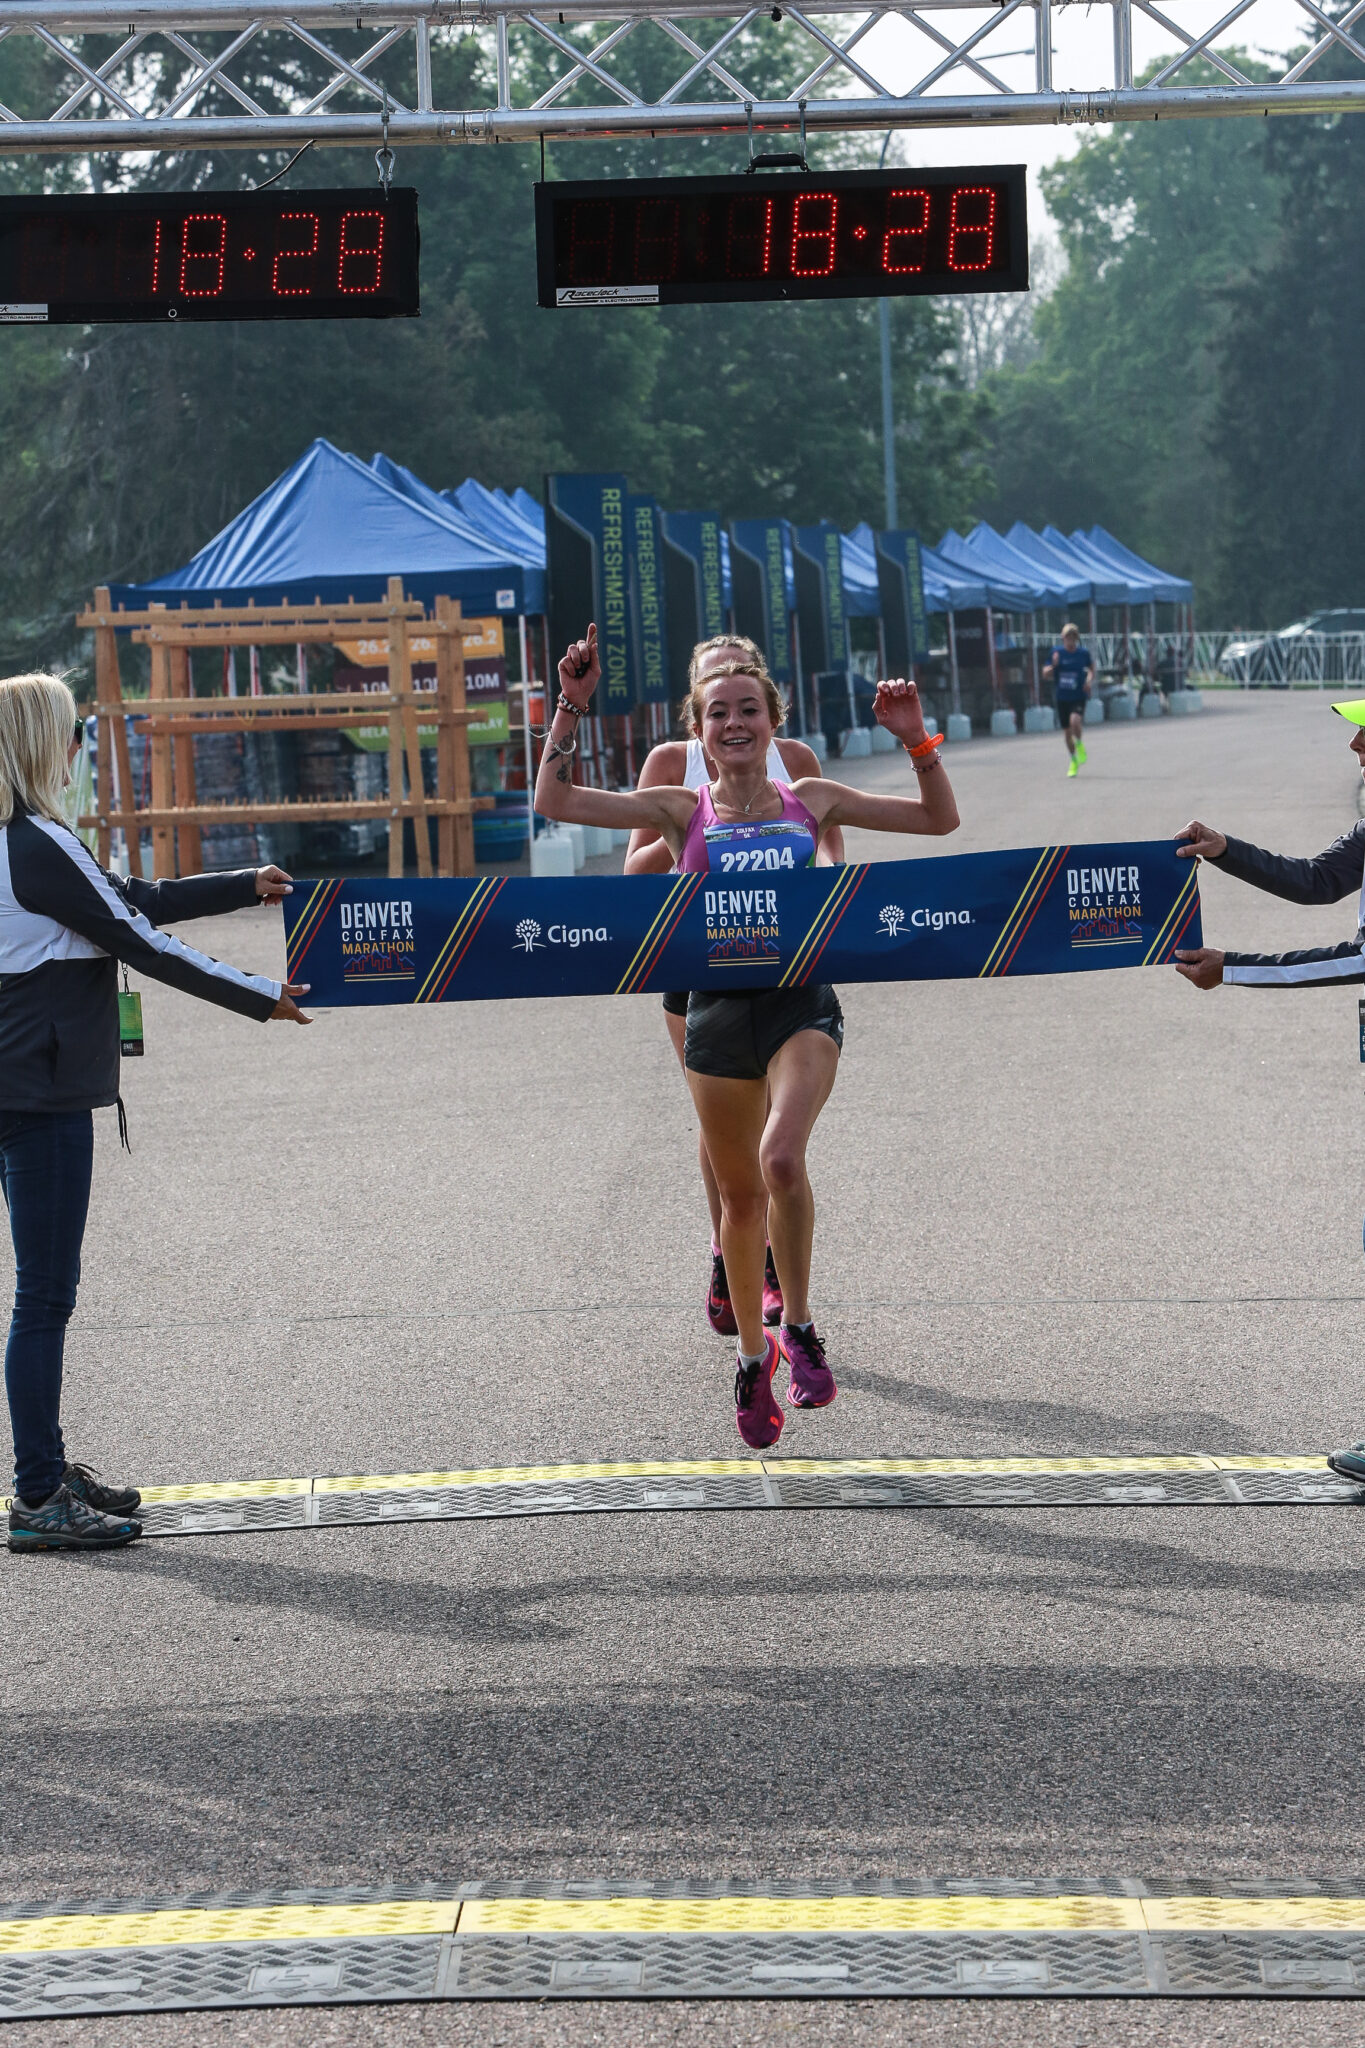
column 763, row 789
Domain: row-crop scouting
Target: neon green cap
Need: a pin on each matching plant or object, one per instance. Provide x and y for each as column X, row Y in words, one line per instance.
column 1354, row 711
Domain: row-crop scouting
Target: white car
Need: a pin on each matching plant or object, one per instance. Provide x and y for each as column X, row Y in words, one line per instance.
column 1289, row 656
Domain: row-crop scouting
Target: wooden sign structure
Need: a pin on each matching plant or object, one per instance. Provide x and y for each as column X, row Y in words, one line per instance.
column 171, row 717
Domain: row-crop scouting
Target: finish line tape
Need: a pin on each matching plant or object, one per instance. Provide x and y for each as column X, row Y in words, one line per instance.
column 1040, row 910
column 211, row 1508
column 1181, row 1939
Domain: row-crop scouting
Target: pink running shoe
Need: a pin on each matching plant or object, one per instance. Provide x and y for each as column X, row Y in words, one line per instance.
column 812, row 1382
column 756, row 1411
column 772, row 1291
column 719, row 1312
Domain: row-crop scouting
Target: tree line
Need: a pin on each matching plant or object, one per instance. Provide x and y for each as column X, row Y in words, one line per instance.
column 1192, row 380
column 1187, row 381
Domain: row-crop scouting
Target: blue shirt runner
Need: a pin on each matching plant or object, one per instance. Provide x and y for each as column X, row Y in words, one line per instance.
column 1042, row 910
column 1069, row 666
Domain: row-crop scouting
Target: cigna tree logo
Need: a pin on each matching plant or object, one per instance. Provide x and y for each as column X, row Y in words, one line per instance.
column 893, row 917
column 528, row 934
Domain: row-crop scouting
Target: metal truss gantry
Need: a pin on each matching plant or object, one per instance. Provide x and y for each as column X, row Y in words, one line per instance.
column 156, row 75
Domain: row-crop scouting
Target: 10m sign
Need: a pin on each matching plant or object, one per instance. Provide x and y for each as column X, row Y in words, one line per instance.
column 853, row 234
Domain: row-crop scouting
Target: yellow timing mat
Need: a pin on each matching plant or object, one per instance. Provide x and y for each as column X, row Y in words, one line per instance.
column 927, row 1940
column 631, row 1914
column 1194, row 1479
column 692, row 1468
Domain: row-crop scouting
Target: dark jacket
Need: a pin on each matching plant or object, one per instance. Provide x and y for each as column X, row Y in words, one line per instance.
column 1326, row 878
column 64, row 925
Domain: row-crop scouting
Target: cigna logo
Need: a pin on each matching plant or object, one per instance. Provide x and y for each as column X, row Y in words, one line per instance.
column 894, row 919
column 528, row 935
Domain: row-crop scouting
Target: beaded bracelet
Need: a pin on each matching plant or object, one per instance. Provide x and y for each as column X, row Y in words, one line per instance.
column 564, row 703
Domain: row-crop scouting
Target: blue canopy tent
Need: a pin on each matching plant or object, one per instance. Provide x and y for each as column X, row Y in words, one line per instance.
column 1167, row 589
column 330, row 529
column 411, row 485
column 515, row 545
column 1049, row 583
column 530, row 508
column 1159, row 588
column 1127, row 589
column 1011, row 583
column 1004, row 582
column 1081, row 581
column 858, row 559
column 1097, row 581
column 498, row 520
column 948, row 587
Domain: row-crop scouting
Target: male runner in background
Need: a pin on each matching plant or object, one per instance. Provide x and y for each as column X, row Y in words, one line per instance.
column 1070, row 666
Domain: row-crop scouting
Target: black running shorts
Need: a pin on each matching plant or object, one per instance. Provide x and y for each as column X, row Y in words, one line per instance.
column 734, row 1037
column 675, row 1002
column 1066, row 709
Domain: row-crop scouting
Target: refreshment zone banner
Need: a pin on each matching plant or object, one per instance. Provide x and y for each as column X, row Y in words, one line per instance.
column 1047, row 910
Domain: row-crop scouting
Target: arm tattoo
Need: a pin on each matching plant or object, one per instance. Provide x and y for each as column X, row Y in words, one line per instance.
column 563, row 771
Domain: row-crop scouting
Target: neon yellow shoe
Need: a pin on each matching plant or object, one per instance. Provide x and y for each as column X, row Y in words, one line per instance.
column 1080, row 752
column 1071, row 765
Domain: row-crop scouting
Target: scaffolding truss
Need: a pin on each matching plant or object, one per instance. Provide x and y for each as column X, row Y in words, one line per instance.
column 161, row 75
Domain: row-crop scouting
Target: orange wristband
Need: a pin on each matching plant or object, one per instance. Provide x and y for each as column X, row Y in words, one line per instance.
column 925, row 747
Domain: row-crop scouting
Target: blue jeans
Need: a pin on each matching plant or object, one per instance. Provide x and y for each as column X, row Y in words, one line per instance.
column 45, row 1164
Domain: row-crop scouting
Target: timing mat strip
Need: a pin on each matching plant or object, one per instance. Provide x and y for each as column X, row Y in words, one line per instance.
column 1180, row 1939
column 208, row 1507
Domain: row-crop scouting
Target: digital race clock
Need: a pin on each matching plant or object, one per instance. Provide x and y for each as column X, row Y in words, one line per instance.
column 277, row 255
column 786, row 235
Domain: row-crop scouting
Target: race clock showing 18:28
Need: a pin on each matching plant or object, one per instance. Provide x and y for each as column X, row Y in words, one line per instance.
column 781, row 235
column 278, row 255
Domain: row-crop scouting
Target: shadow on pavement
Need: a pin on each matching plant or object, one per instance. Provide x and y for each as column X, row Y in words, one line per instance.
column 1057, row 1428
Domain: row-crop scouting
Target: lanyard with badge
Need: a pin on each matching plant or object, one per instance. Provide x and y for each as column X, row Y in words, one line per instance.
column 130, row 1021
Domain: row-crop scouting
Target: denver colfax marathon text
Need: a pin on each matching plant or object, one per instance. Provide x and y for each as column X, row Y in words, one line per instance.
column 1104, row 905
column 377, row 941
column 741, row 926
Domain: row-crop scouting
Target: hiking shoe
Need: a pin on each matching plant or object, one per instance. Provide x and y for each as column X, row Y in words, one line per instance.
column 1350, row 1462
column 106, row 1500
column 65, row 1522
column 757, row 1414
column 772, row 1291
column 719, row 1312
column 812, row 1382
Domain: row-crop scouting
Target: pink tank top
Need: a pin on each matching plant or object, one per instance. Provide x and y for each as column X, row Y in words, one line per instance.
column 744, row 847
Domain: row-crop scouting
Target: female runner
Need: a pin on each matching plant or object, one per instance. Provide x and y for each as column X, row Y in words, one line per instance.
column 760, row 1065
column 683, row 764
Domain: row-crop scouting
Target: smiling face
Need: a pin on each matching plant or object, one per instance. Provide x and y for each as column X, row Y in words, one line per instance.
column 736, row 724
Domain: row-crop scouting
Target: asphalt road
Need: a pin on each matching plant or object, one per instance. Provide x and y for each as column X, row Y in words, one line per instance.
column 1097, row 1212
